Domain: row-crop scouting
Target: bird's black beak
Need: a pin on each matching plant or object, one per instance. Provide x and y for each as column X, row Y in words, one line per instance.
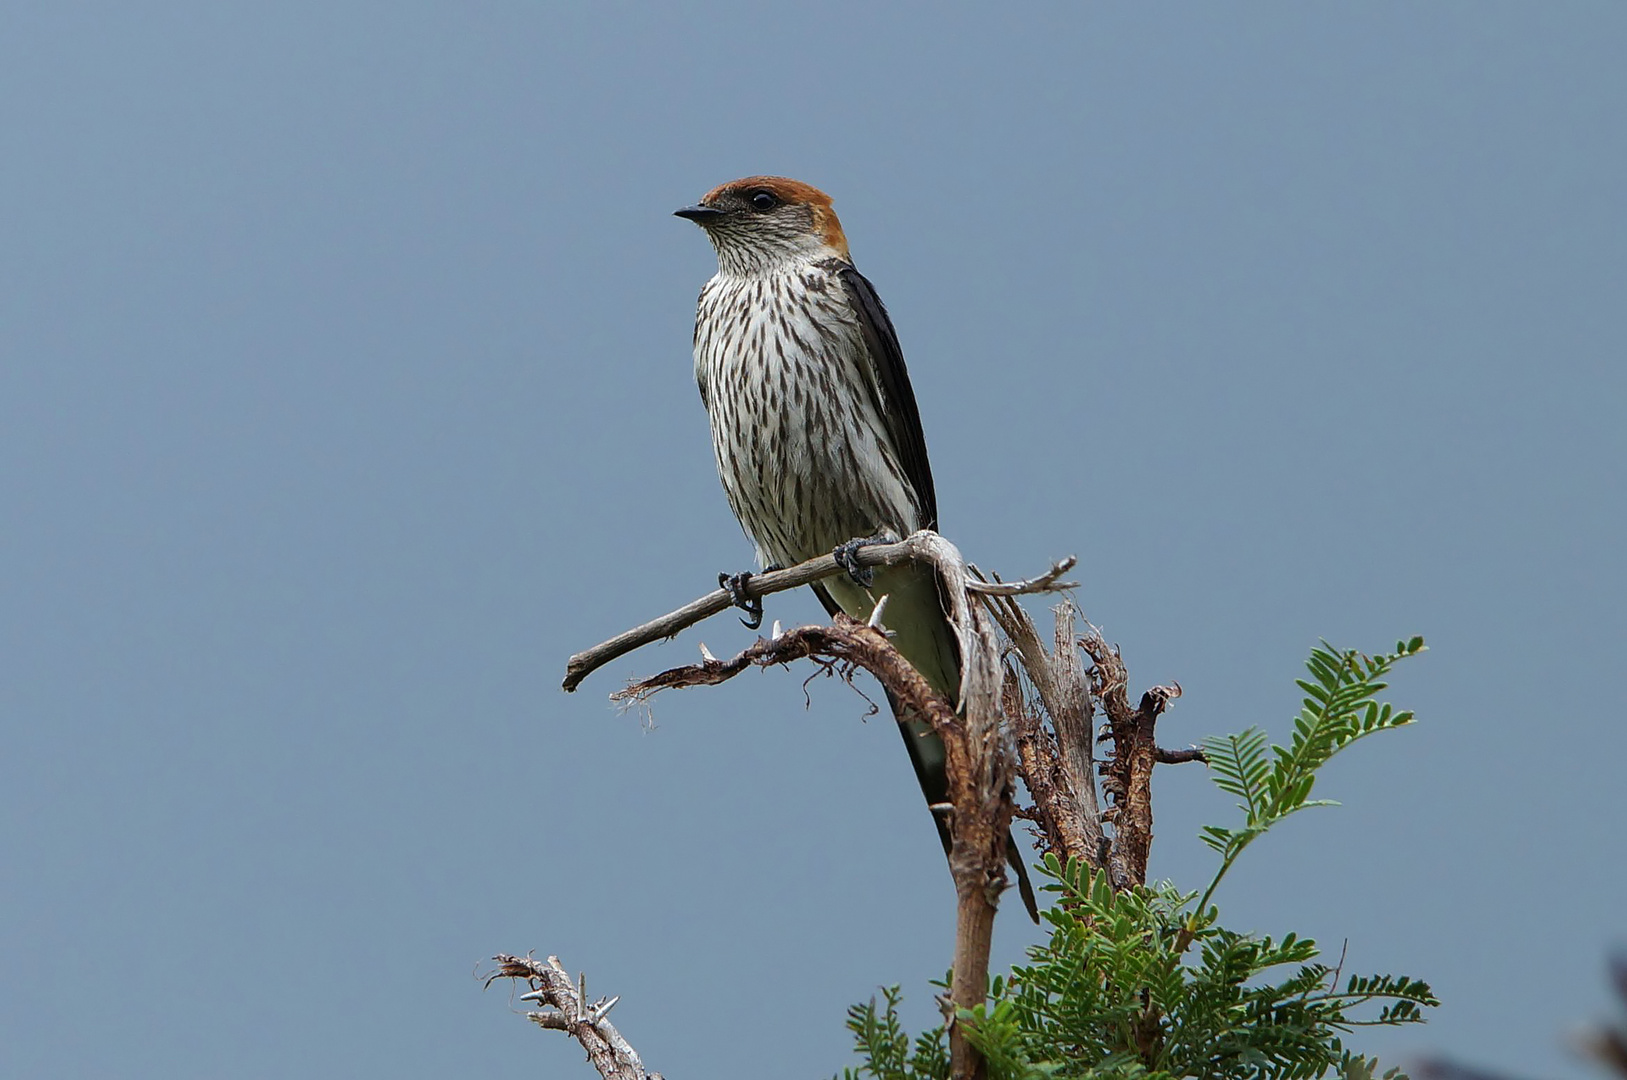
column 700, row 213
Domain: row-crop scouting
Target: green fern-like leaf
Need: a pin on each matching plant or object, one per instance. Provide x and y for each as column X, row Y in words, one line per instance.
column 884, row 1048
column 1338, row 709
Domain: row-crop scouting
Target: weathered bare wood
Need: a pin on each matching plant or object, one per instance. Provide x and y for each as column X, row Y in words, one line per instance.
column 1126, row 774
column 567, row 1010
column 1057, row 765
column 1050, row 581
column 1072, row 718
column 982, row 787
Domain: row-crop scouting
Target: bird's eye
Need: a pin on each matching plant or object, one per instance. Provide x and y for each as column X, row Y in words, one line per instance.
column 764, row 200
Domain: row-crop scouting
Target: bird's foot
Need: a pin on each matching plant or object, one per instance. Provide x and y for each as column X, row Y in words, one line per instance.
column 751, row 605
column 847, row 557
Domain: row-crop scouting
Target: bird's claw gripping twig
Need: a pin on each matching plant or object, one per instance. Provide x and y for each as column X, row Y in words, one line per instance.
column 751, row 605
column 847, row 557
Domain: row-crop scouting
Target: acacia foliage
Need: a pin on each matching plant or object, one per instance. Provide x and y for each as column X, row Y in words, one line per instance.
column 1146, row 982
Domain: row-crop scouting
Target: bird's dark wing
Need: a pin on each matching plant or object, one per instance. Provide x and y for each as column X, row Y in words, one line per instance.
column 700, row 372
column 890, row 380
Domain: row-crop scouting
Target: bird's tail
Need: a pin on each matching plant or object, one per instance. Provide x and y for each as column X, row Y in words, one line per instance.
column 921, row 632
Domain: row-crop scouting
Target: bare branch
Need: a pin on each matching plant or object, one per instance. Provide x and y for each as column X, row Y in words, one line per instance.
column 587, row 661
column 1127, row 773
column 567, row 1009
column 847, row 641
column 1046, row 582
column 911, row 548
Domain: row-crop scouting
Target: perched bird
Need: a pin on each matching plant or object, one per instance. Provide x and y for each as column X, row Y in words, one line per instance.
column 815, row 428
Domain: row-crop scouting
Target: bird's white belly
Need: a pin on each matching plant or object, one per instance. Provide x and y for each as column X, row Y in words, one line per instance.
column 795, row 429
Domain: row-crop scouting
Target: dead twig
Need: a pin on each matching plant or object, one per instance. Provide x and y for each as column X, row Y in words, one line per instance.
column 1050, row 581
column 849, row 642
column 1127, row 772
column 566, row 1009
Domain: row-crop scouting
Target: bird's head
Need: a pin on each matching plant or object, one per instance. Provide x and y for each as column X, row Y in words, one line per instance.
column 762, row 222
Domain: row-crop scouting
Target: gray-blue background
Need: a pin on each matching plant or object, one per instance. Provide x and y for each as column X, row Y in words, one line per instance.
column 345, row 390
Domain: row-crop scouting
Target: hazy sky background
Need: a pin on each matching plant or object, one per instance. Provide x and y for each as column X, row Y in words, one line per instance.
column 345, row 390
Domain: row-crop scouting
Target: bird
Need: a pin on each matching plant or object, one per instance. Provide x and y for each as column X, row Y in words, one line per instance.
column 816, row 431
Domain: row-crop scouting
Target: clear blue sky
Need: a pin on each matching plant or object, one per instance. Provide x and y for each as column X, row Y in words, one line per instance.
column 345, row 390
